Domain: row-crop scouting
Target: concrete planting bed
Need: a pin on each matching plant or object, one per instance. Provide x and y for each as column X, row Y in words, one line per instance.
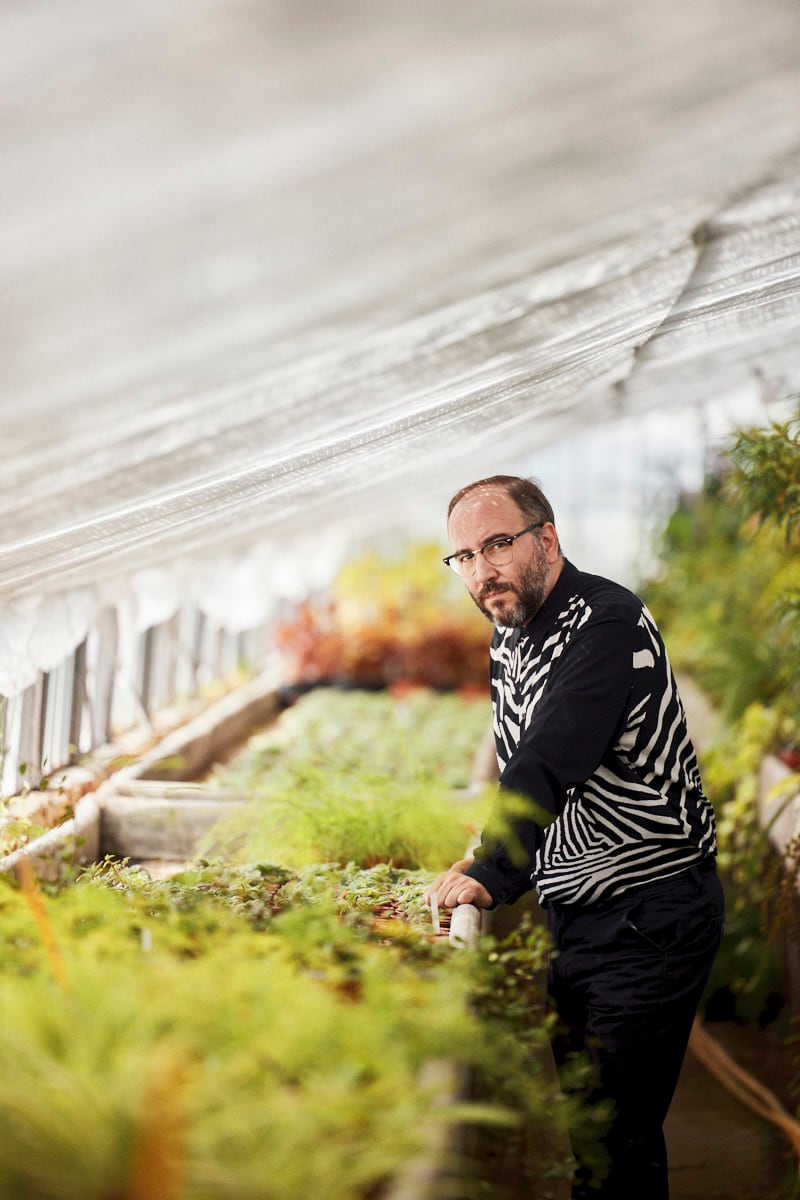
column 148, row 808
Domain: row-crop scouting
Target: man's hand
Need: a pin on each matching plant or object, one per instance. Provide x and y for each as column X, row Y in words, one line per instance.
column 454, row 887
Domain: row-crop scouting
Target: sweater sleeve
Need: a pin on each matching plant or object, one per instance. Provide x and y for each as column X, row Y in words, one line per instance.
column 574, row 723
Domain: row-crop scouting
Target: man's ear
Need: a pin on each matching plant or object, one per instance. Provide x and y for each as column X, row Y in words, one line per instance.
column 549, row 539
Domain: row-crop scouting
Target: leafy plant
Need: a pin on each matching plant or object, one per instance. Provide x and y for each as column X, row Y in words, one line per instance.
column 747, row 968
column 765, row 481
column 196, row 1036
column 726, row 599
column 187, row 1047
column 715, row 599
column 16, row 831
column 390, row 622
column 220, row 1057
column 508, row 995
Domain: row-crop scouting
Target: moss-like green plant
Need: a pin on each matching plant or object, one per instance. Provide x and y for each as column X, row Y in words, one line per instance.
column 118, row 1070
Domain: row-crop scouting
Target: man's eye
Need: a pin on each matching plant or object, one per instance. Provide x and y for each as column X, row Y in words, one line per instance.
column 500, row 544
column 466, row 557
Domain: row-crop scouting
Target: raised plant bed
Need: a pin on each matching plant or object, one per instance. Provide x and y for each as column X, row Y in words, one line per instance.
column 167, row 815
column 123, row 800
column 154, row 808
column 74, row 840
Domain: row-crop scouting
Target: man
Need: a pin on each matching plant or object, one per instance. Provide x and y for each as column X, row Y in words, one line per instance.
column 616, row 835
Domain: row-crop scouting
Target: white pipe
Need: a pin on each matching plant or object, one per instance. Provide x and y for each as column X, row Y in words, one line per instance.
column 465, row 925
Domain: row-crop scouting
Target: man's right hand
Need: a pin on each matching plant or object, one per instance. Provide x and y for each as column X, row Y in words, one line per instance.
column 453, row 887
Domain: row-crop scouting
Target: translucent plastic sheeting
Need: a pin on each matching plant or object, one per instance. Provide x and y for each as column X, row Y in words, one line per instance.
column 275, row 276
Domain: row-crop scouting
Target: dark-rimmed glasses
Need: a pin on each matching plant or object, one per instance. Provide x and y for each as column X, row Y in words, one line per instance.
column 498, row 552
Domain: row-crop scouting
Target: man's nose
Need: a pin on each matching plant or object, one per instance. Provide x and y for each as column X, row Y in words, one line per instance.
column 484, row 569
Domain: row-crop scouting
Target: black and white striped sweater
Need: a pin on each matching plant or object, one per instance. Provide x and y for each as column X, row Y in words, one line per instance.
column 588, row 724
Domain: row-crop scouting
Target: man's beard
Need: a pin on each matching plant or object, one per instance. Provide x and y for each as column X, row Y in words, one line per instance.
column 528, row 595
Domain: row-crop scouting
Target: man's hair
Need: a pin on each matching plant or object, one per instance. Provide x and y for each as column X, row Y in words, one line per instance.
column 527, row 495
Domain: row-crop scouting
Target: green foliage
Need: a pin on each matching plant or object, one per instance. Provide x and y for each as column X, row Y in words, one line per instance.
column 217, row 1059
column 505, row 986
column 247, row 891
column 222, row 1050
column 726, row 600
column 242, row 1030
column 308, row 814
column 718, row 601
column 382, row 889
column 509, row 998
column 419, row 734
column 748, row 963
column 728, row 596
column 355, row 777
column 17, row 831
column 765, row 482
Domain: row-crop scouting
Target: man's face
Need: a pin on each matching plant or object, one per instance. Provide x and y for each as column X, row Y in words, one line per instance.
column 511, row 594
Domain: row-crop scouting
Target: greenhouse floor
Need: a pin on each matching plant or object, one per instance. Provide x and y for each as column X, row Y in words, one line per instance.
column 719, row 1149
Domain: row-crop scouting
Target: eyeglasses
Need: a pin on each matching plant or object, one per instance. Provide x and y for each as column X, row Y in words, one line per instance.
column 497, row 552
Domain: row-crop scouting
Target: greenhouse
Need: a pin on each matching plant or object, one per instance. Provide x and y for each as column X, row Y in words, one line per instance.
column 279, row 280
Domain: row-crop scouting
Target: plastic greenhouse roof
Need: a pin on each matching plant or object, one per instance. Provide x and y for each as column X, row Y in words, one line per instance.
column 278, row 270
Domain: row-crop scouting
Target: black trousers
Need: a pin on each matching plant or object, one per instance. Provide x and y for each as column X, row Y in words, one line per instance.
column 625, row 979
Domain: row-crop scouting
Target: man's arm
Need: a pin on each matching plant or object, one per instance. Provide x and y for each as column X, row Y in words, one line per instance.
column 576, row 720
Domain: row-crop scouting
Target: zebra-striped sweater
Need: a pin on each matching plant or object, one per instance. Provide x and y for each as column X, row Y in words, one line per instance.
column 589, row 726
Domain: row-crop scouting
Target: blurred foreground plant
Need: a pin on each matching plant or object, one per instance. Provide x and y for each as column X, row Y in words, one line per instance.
column 213, row 1055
